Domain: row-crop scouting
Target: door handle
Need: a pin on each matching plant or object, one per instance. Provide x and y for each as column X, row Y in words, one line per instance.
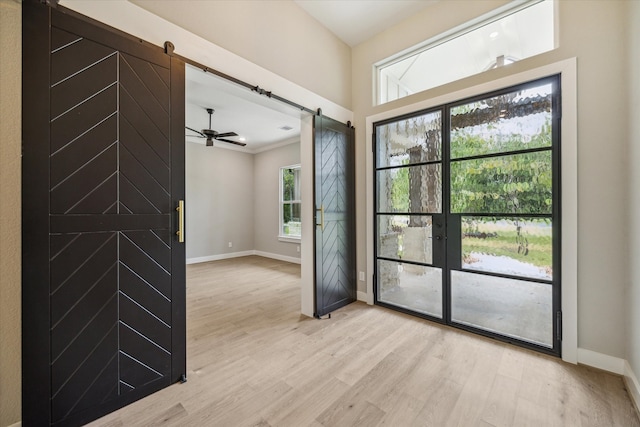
column 321, row 210
column 180, row 232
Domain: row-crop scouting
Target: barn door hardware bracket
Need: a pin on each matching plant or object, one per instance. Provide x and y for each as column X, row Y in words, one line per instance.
column 169, row 48
column 261, row 91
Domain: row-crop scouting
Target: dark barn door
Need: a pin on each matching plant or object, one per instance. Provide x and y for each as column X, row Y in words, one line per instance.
column 335, row 272
column 103, row 171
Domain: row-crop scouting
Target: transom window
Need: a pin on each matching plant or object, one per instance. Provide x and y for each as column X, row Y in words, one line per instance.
column 504, row 36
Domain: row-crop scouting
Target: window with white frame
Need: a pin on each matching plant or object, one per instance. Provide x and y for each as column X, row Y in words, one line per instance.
column 290, row 203
column 519, row 30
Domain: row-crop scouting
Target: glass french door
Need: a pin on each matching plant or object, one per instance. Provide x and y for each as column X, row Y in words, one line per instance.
column 410, row 221
column 467, row 214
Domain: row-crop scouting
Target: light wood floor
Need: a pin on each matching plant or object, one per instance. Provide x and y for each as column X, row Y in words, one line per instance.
column 253, row 360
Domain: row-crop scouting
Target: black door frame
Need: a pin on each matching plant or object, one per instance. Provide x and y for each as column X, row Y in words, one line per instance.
column 453, row 227
column 36, row 341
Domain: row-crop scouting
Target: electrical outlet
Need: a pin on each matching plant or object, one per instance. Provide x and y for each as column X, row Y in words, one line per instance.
column 230, row 244
column 362, row 278
column 298, row 248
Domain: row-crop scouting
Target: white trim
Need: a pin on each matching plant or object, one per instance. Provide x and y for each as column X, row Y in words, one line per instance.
column 632, row 384
column 601, row 361
column 569, row 166
column 289, row 239
column 361, row 296
column 208, row 258
column 19, row 423
column 198, row 260
column 307, row 246
column 291, row 259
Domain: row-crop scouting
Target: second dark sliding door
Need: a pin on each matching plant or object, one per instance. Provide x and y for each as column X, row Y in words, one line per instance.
column 467, row 214
column 335, row 273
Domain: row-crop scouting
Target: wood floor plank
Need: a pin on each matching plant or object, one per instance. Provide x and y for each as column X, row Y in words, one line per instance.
column 254, row 361
column 474, row 393
column 308, row 407
column 528, row 414
column 438, row 407
column 404, row 411
column 500, row 406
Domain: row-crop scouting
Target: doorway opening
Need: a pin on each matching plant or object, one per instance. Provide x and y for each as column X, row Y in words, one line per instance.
column 240, row 193
column 232, row 191
column 467, row 214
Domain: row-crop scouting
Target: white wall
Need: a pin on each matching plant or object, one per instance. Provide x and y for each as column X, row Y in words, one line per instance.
column 219, row 204
column 277, row 35
column 233, row 197
column 266, row 174
column 633, row 292
column 602, row 147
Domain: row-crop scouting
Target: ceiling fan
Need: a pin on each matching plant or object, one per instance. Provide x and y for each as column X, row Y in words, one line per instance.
column 211, row 134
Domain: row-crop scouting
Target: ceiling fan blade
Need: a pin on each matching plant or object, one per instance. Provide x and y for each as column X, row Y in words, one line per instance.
column 202, row 135
column 242, row 144
column 226, row 134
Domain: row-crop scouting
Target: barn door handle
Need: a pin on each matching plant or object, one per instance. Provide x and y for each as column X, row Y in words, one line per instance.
column 321, row 210
column 180, row 232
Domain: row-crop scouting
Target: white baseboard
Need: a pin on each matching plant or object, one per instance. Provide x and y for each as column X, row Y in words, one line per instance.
column 361, row 296
column 219, row 257
column 601, row 361
column 633, row 387
column 18, row 424
column 278, row 257
column 241, row 254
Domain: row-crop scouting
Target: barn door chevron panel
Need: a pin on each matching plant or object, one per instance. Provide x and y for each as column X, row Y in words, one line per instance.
column 335, row 226
column 110, row 155
column 107, row 163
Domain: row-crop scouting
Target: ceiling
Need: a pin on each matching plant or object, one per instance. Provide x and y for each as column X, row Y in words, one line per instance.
column 355, row 21
column 259, row 119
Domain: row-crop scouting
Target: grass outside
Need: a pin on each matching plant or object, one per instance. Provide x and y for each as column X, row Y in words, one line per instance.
column 504, row 242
